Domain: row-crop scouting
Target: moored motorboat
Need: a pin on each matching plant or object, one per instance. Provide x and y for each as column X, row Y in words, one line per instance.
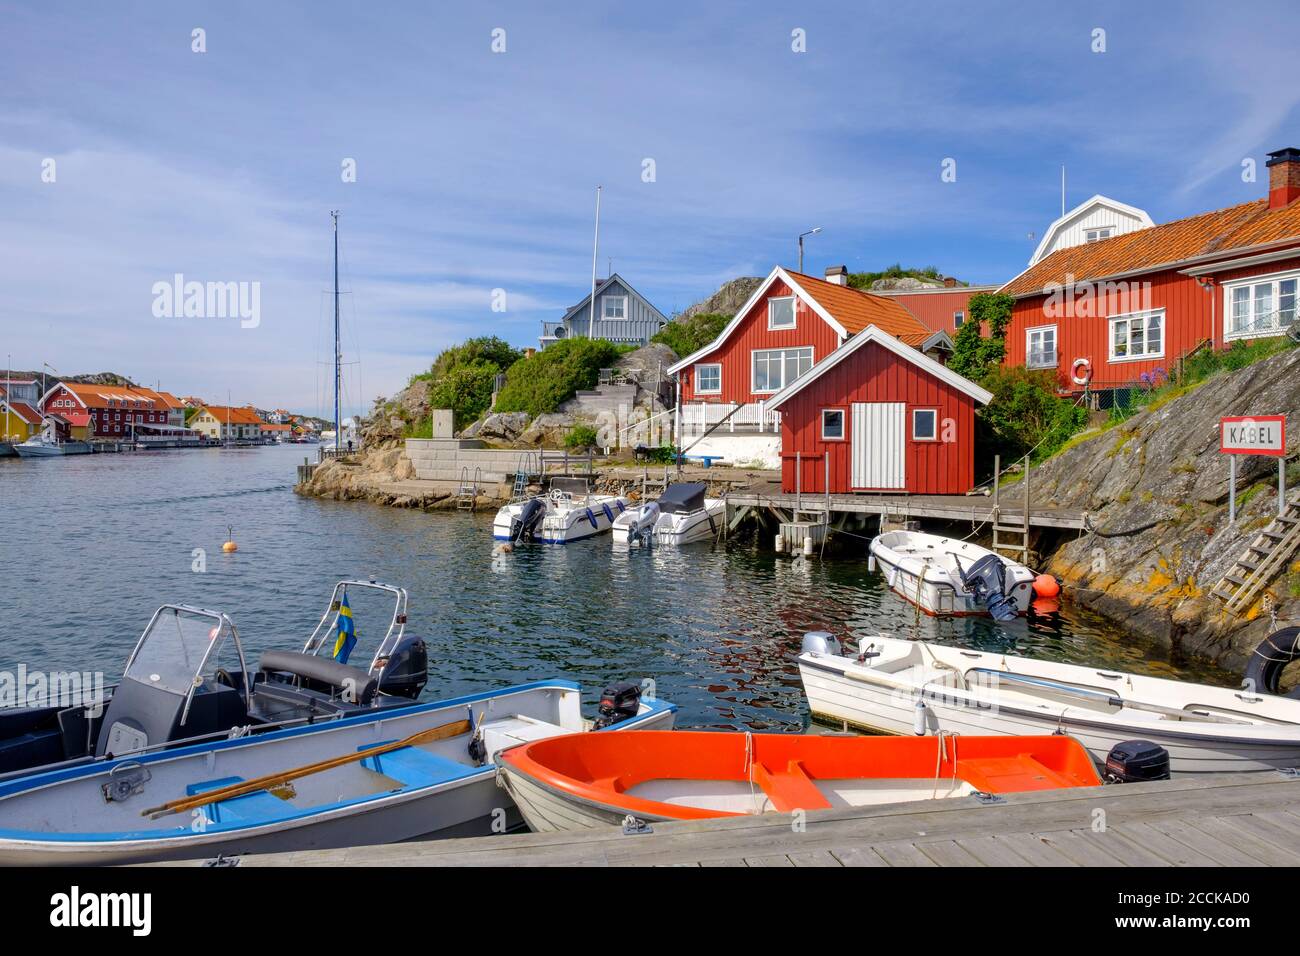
column 419, row 771
column 905, row 687
column 568, row 512
column 575, row 783
column 41, row 447
column 946, row 576
column 187, row 680
column 681, row 515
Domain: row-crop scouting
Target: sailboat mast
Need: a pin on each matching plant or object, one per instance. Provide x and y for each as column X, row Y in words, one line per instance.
column 595, row 250
column 338, row 355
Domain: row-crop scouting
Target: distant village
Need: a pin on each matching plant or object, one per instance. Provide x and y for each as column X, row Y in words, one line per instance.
column 74, row 414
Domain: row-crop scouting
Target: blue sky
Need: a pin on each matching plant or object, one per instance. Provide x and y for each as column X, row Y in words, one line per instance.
column 476, row 170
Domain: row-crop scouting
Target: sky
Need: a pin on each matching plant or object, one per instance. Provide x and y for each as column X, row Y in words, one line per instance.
column 476, row 168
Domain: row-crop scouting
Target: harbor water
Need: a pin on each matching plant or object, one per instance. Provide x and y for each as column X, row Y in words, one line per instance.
column 92, row 545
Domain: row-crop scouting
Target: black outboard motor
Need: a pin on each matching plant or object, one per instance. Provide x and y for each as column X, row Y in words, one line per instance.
column 529, row 518
column 987, row 580
column 407, row 670
column 1137, row 761
column 618, row 702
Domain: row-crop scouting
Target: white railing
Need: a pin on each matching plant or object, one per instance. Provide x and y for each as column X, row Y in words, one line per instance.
column 698, row 417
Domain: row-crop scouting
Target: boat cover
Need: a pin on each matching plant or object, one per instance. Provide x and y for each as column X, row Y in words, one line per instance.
column 682, row 498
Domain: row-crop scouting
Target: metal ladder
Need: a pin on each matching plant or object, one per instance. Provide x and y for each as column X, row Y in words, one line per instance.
column 1000, row 526
column 1261, row 562
column 528, row 469
column 467, row 495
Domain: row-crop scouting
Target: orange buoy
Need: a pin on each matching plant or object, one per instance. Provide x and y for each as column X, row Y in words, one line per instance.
column 1046, row 586
column 230, row 545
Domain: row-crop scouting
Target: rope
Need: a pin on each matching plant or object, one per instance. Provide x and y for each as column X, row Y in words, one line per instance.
column 749, row 770
column 938, row 759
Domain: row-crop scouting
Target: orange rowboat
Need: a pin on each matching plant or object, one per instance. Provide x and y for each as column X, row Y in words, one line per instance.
column 584, row 781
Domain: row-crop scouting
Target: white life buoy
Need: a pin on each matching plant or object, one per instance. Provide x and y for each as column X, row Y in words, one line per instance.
column 1086, row 377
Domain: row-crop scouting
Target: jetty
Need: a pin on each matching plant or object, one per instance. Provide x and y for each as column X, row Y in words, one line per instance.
column 1222, row 820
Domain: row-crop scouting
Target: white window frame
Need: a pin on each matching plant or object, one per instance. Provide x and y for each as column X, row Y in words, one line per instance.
column 794, row 314
column 1056, row 346
column 958, row 318
column 1146, row 355
column 934, row 430
column 753, row 367
column 843, row 423
column 1275, row 279
column 605, row 300
column 699, row 390
column 1109, row 230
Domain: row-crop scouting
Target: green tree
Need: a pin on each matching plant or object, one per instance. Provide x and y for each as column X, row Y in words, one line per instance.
column 974, row 353
column 688, row 335
column 539, row 383
column 1026, row 415
column 466, row 389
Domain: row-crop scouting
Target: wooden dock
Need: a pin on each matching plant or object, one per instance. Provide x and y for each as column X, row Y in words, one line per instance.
column 1227, row 820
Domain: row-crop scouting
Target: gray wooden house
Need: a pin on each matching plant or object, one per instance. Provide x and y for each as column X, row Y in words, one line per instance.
column 622, row 315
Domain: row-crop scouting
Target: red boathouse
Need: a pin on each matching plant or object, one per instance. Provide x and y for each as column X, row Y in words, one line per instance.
column 887, row 418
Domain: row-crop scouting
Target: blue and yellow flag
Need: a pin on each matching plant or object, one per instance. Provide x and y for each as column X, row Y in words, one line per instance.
column 347, row 638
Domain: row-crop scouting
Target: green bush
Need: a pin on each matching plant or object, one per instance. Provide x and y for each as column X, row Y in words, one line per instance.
column 539, row 384
column 974, row 354
column 1026, row 414
column 685, row 336
column 863, row 280
column 461, row 378
column 581, row 437
column 486, row 348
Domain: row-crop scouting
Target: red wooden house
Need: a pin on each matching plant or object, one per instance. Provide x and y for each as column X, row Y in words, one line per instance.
column 106, row 411
column 1121, row 310
column 878, row 415
column 946, row 307
column 790, row 323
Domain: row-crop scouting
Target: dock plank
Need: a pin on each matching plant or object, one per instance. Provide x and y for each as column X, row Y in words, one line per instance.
column 1222, row 820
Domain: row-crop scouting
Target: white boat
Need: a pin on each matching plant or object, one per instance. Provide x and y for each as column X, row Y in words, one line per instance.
column 43, row 448
column 419, row 771
column 904, row 687
column 568, row 512
column 945, row 576
column 679, row 516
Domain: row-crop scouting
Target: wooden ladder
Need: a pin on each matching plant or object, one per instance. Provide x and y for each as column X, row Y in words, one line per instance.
column 1002, row 527
column 1261, row 561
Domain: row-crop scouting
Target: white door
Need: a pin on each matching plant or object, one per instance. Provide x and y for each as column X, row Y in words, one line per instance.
column 879, row 445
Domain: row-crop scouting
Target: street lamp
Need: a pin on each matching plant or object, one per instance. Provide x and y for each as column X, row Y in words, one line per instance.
column 810, row 232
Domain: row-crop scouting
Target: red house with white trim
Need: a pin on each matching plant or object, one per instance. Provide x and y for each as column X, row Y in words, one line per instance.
column 790, row 323
column 1113, row 312
column 878, row 415
column 107, row 411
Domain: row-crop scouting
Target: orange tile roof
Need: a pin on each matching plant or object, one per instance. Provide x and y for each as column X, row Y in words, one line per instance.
column 235, row 416
column 170, row 400
column 24, row 411
column 855, row 310
column 1221, row 231
column 99, row 396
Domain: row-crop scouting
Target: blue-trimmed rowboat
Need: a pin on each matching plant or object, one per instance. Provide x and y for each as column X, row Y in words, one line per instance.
column 365, row 782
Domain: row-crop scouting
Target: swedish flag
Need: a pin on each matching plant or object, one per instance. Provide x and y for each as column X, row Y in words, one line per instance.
column 347, row 638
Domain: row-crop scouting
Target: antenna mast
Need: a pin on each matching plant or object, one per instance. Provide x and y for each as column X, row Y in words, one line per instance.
column 338, row 355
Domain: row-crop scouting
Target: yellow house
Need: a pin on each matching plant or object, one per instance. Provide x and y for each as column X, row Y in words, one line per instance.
column 18, row 421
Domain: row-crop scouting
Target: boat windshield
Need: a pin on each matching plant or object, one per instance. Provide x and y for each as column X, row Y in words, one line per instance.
column 177, row 647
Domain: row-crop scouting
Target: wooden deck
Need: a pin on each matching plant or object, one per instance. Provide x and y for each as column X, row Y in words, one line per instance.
column 975, row 509
column 1229, row 820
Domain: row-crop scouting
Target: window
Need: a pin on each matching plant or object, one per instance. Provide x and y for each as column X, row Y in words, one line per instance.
column 958, row 318
column 1137, row 336
column 708, row 379
column 780, row 313
column 1098, row 234
column 1260, row 306
column 614, row 306
column 774, row 369
column 1040, row 347
column 832, row 424
column 925, row 424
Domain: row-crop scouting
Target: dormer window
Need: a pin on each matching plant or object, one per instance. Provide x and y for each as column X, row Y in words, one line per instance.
column 1097, row 234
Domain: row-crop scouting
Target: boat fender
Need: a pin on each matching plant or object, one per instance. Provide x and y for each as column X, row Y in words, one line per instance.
column 871, row 563
column 1274, row 653
column 608, row 514
column 591, row 517
column 618, row 503
column 918, row 718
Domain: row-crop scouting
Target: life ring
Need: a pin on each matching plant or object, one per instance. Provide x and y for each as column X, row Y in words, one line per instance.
column 1274, row 653
column 1086, row 377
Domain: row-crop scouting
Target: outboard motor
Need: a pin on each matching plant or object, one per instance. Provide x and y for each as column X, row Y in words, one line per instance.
column 1137, row 761
column 1274, row 653
column 407, row 670
column 530, row 517
column 987, row 580
column 618, row 702
column 643, row 525
column 822, row 643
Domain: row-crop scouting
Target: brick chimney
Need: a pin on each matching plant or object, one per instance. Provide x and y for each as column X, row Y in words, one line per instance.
column 1283, row 176
column 949, row 282
column 838, row 275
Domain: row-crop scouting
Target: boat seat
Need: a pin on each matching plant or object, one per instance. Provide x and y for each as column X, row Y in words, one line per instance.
column 1010, row 774
column 791, row 789
column 250, row 808
column 414, row 767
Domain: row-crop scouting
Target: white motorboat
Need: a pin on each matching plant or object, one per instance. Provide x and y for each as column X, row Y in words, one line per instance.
column 568, row 512
column 945, row 576
column 679, row 516
column 41, row 447
column 904, row 687
column 419, row 771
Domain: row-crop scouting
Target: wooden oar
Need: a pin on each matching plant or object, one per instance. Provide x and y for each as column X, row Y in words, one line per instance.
column 441, row 732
